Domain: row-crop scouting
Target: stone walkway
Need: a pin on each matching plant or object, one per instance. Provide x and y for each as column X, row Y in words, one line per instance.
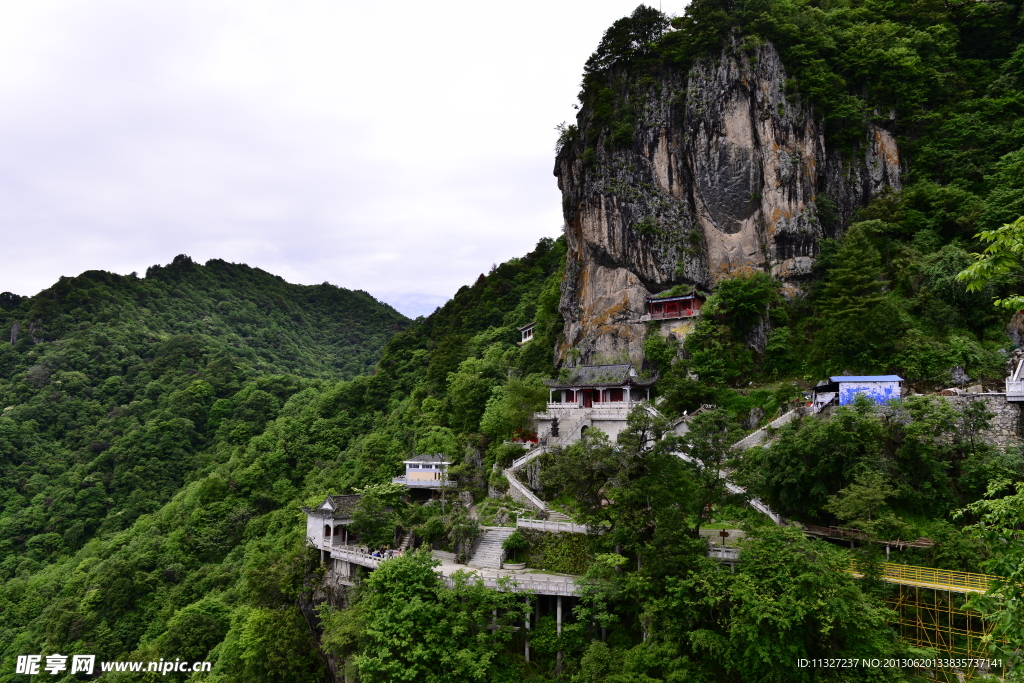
column 526, row 580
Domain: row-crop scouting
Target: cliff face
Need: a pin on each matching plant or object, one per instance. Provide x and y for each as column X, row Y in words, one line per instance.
column 724, row 175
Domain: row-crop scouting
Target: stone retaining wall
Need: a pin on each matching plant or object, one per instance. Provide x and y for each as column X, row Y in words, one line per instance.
column 1006, row 429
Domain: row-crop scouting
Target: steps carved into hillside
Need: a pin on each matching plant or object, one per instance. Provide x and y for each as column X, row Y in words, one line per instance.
column 488, row 554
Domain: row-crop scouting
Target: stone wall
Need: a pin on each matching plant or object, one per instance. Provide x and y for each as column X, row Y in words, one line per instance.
column 1006, row 430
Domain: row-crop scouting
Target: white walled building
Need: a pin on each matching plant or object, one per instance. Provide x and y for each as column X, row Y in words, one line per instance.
column 591, row 397
column 425, row 472
column 327, row 524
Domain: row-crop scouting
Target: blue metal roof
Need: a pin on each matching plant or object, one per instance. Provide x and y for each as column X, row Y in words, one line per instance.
column 866, row 378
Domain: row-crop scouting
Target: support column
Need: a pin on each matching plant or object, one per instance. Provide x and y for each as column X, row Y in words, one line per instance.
column 527, row 629
column 558, row 631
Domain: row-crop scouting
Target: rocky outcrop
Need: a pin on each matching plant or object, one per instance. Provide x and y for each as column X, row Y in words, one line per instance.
column 725, row 174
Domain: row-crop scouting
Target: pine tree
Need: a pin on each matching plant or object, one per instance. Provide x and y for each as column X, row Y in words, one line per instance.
column 855, row 285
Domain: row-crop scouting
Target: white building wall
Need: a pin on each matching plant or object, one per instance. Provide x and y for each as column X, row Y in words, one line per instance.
column 315, row 529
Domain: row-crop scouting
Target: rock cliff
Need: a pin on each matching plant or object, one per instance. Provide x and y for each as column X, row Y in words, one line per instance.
column 724, row 174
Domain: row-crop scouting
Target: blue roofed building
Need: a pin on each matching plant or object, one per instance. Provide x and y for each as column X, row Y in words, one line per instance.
column 843, row 389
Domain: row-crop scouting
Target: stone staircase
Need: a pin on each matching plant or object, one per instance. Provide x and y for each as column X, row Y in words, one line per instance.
column 488, row 553
column 761, row 436
column 556, row 516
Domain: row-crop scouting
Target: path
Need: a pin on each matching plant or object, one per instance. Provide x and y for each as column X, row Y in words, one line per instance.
column 522, row 580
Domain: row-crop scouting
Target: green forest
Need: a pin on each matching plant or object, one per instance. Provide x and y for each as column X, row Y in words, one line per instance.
column 160, row 435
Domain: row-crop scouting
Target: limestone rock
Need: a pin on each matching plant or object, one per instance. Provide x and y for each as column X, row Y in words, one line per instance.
column 725, row 175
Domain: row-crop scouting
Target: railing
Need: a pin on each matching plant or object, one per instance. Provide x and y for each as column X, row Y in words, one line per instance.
column 624, row 403
column 519, row 462
column 521, row 585
column 675, row 314
column 926, row 577
column 1014, row 389
column 724, row 554
column 356, row 556
column 525, row 492
column 553, row 527
column 423, row 483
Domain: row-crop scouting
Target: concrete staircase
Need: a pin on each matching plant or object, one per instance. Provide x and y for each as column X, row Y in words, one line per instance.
column 488, row 553
column 761, row 436
column 556, row 516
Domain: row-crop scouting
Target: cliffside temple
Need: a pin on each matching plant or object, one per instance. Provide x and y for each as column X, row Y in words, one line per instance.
column 673, row 307
column 602, row 395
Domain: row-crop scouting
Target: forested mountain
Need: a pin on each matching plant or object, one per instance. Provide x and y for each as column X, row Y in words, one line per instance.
column 311, row 331
column 104, row 424
column 159, row 436
column 113, row 387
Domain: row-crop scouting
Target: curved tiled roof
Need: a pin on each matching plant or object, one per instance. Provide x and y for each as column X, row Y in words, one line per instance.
column 601, row 376
column 343, row 507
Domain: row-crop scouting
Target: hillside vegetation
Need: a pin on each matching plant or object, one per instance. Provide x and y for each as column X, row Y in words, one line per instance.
column 152, row 480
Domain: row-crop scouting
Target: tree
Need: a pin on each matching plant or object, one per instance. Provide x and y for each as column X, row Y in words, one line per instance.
column 272, row 645
column 419, row 630
column 374, row 517
column 1003, row 256
column 1000, row 519
column 860, row 503
column 811, row 459
column 792, row 598
column 708, row 444
column 511, row 407
column 860, row 327
column 854, row 285
column 746, row 300
column 515, row 544
column 194, row 630
column 622, row 486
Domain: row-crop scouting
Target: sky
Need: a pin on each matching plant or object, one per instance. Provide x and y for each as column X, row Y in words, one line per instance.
column 401, row 148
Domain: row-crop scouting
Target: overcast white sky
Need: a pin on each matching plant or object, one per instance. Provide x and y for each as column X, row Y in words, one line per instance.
column 399, row 147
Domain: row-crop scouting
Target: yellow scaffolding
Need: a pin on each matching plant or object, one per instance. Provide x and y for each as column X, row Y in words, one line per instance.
column 931, row 613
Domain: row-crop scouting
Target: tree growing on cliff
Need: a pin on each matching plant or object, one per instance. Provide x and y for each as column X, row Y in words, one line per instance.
column 859, row 326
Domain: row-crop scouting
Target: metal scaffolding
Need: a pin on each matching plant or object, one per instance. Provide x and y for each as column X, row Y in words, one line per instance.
column 931, row 613
column 936, row 618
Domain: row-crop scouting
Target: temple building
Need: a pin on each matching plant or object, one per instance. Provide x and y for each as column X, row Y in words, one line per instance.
column 327, row 524
column 592, row 397
column 672, row 307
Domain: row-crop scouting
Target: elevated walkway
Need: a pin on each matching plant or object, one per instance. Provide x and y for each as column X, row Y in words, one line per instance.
column 934, row 579
column 506, row 580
